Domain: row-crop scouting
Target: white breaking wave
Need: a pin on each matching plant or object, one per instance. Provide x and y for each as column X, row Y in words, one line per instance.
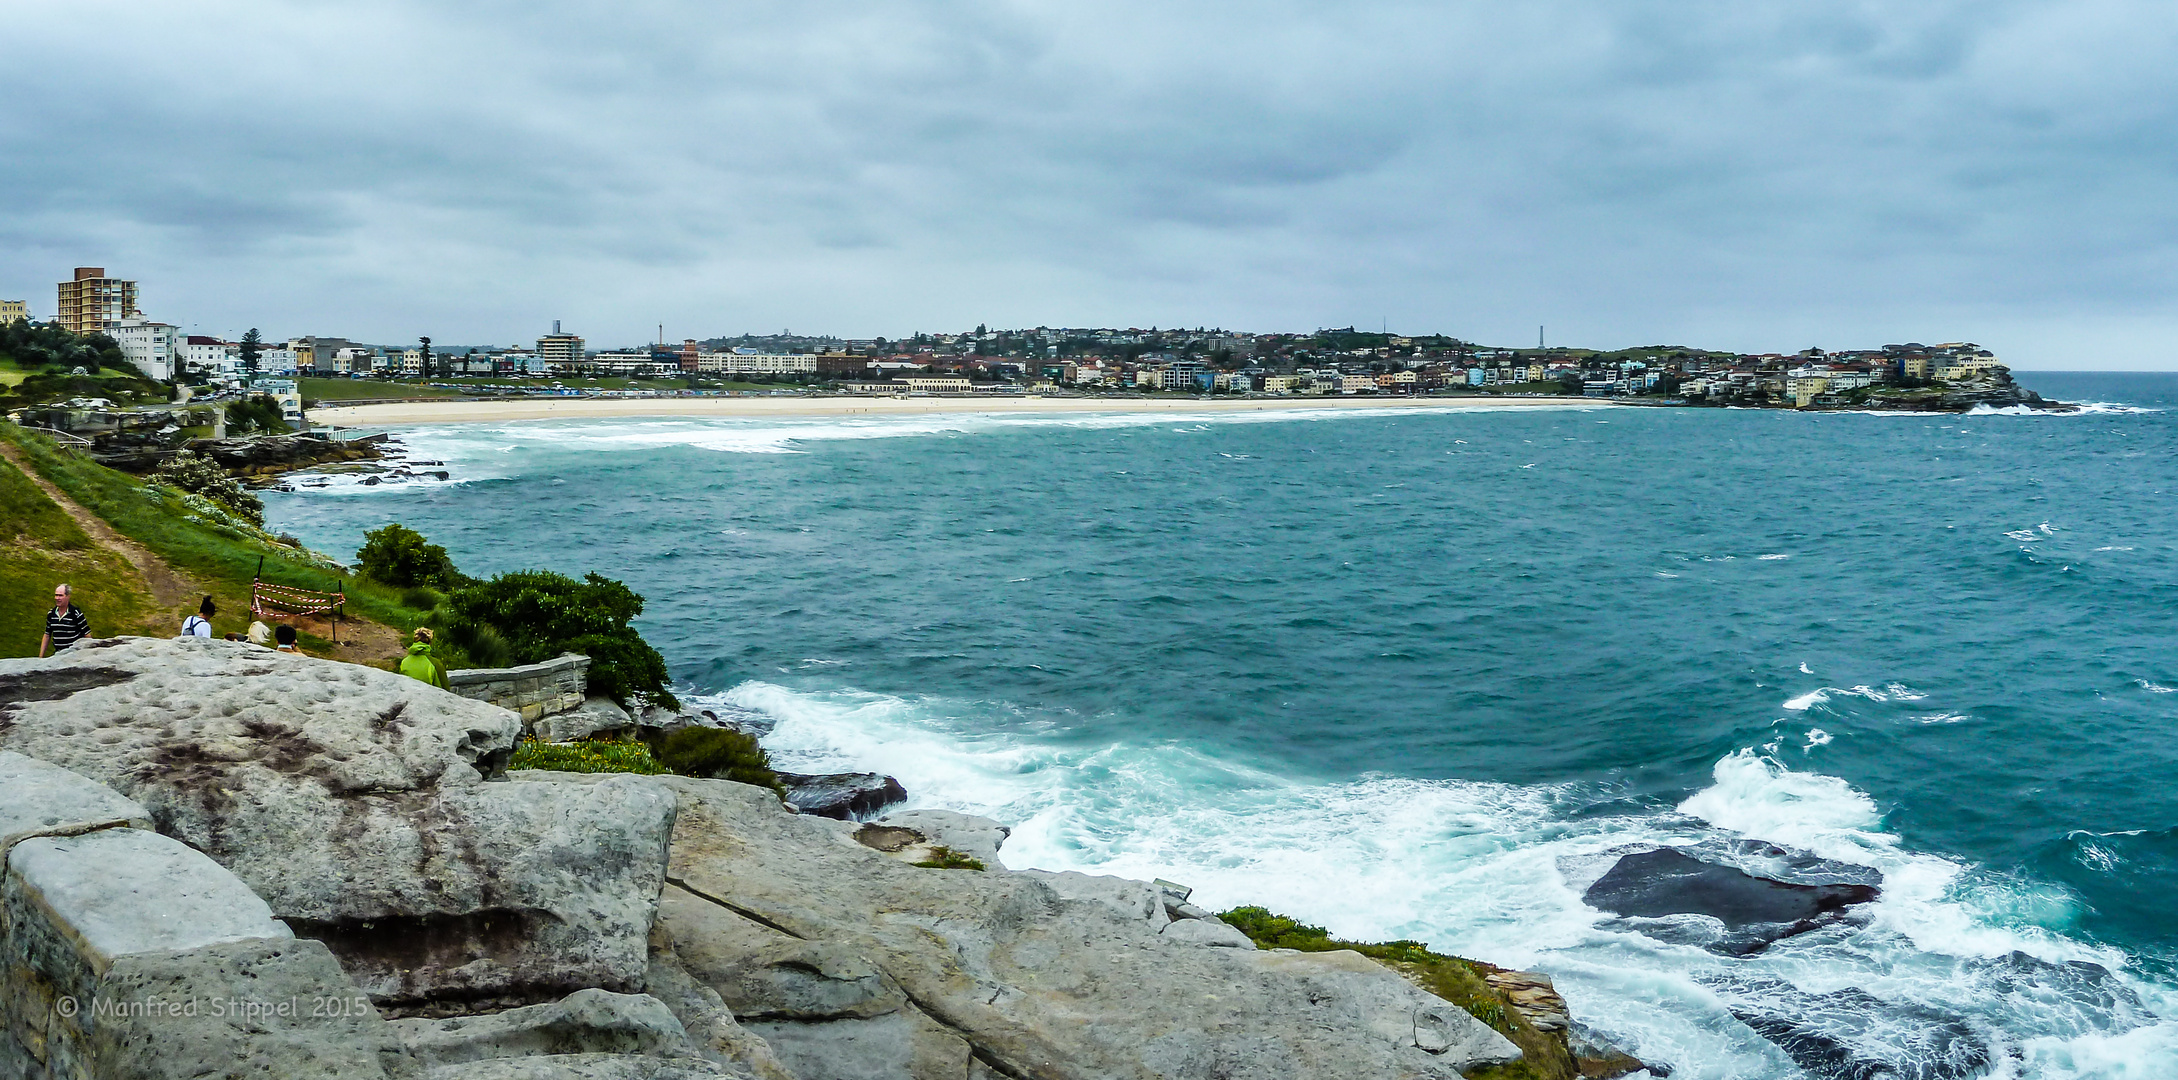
column 1497, row 871
column 1892, row 692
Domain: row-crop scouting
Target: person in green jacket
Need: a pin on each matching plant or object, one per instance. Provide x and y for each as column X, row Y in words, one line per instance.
column 419, row 664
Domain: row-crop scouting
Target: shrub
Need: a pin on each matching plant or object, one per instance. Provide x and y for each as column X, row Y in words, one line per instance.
column 197, row 475
column 586, row 756
column 719, row 754
column 399, row 556
column 945, row 858
column 255, row 414
column 540, row 614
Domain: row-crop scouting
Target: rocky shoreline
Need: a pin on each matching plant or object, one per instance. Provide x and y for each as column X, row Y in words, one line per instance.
column 204, row 821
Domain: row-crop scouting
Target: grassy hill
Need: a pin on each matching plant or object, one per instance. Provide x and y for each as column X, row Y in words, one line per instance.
column 220, row 554
column 40, row 547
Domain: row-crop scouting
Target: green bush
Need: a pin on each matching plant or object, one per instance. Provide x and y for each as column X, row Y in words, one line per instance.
column 399, row 556
column 945, row 858
column 197, row 475
column 540, row 614
column 718, row 754
column 586, row 756
column 259, row 414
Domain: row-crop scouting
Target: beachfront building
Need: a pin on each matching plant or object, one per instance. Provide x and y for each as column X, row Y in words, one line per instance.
column 741, row 363
column 558, row 352
column 93, row 303
column 14, row 311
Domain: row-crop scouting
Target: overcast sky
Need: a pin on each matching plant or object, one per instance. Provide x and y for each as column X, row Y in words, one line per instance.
column 1743, row 175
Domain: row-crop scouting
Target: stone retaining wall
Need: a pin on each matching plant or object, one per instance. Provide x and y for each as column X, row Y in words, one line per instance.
column 533, row 690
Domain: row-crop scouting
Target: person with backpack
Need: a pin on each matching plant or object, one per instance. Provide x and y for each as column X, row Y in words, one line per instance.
column 200, row 624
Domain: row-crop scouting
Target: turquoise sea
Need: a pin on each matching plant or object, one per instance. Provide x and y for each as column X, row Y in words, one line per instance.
column 1426, row 675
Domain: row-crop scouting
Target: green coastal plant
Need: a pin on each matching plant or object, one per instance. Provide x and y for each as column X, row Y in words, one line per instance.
column 945, row 858
column 586, row 756
column 193, row 474
column 719, row 754
column 1545, row 1056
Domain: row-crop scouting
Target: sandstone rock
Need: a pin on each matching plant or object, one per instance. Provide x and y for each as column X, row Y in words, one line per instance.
column 1208, row 932
column 763, row 974
column 1036, row 985
column 42, row 799
column 584, row 1022
column 846, row 796
column 589, row 1067
column 711, row 1026
column 1126, row 897
column 1533, row 996
column 76, row 904
column 593, row 716
column 129, row 955
column 976, row 837
column 352, row 801
column 271, row 1009
column 902, row 1045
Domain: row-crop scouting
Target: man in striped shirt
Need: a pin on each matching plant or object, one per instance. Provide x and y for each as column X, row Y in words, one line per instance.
column 65, row 624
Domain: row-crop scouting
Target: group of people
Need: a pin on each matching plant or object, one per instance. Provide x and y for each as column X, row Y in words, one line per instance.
column 66, row 624
column 199, row 625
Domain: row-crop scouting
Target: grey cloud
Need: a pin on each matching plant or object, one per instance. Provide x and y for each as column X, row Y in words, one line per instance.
column 1629, row 171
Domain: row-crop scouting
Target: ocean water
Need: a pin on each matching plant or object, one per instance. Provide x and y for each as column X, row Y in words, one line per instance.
column 1426, row 675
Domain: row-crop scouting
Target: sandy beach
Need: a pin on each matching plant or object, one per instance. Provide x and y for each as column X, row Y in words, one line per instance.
column 471, row 412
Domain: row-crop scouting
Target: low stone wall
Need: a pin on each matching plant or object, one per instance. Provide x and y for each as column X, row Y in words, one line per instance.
column 533, row 690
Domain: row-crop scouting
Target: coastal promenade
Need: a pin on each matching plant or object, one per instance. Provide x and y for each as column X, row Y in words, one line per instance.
column 459, row 411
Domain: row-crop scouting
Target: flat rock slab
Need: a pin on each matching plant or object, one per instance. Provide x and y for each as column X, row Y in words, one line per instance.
column 82, row 902
column 38, row 798
column 976, row 837
column 584, row 1022
column 1038, row 987
column 1755, row 911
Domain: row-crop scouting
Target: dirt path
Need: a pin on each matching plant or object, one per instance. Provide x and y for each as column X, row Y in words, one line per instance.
column 361, row 640
column 171, row 590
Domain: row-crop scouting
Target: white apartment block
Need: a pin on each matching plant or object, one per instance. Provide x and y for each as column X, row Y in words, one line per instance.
column 755, row 363
column 151, row 346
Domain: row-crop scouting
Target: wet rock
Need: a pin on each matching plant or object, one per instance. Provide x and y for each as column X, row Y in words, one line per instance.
column 845, row 796
column 1755, row 911
column 1852, row 1035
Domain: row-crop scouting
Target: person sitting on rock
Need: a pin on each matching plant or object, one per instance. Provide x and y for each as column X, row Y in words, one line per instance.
column 200, row 624
column 420, row 665
column 285, row 635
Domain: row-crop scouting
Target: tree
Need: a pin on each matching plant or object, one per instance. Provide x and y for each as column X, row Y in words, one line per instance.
column 426, row 351
column 251, row 345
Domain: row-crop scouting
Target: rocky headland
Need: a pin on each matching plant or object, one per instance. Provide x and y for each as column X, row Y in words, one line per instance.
column 227, row 862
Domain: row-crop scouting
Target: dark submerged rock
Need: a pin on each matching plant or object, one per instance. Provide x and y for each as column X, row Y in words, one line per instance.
column 1755, row 911
column 1853, row 1035
column 846, row 796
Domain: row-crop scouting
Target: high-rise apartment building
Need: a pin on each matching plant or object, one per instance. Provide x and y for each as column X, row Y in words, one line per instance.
column 94, row 303
column 560, row 352
column 14, row 310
